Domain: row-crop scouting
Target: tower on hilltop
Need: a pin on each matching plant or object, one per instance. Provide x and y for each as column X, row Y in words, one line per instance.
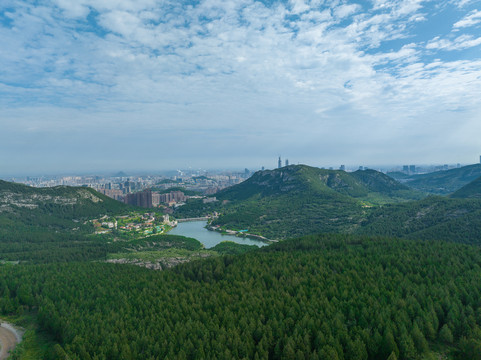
column 279, row 163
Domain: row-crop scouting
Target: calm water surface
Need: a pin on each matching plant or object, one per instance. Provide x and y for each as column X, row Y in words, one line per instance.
column 197, row 230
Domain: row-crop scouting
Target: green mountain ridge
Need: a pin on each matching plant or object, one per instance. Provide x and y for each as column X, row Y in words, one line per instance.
column 436, row 217
column 77, row 201
column 297, row 179
column 469, row 191
column 441, row 182
column 40, row 224
column 298, row 200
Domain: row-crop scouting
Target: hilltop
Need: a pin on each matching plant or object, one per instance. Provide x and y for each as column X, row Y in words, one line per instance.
column 50, row 223
column 61, row 201
column 441, row 182
column 296, row 179
column 469, row 191
column 299, row 199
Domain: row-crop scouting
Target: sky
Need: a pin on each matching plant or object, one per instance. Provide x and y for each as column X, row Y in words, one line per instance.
column 109, row 85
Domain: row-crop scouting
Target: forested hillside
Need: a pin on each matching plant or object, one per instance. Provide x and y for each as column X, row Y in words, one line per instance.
column 469, row 191
column 435, row 217
column 441, row 182
column 319, row 297
column 49, row 224
column 299, row 200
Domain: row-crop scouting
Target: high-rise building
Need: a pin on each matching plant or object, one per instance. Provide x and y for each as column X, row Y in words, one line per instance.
column 412, row 169
column 445, row 167
column 279, row 163
column 141, row 199
column 287, row 162
column 405, row 169
column 155, row 199
column 263, row 168
column 177, row 196
column 343, row 168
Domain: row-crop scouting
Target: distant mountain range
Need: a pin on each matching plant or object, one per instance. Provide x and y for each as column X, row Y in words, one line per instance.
column 440, row 182
column 282, row 203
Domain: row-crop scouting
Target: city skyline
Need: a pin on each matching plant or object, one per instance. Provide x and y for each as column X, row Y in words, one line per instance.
column 92, row 86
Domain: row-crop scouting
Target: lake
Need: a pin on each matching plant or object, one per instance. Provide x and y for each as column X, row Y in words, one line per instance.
column 197, row 230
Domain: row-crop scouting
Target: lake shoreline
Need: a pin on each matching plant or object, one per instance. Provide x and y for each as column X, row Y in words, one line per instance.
column 209, row 238
column 240, row 234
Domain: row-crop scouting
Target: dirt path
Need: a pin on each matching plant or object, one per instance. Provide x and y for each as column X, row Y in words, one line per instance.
column 9, row 338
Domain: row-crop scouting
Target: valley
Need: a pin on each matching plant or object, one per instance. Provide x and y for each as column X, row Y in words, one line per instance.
column 364, row 267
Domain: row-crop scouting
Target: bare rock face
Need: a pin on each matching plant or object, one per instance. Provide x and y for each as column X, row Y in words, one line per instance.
column 159, row 264
column 31, row 198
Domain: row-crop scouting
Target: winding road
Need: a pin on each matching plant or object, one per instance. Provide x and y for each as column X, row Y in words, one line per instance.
column 9, row 338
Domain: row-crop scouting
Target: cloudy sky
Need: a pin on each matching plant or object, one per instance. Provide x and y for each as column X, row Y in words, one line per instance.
column 92, row 85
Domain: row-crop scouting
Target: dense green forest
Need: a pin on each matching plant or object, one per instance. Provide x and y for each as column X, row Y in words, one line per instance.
column 469, row 191
column 319, row 297
column 432, row 218
column 316, row 297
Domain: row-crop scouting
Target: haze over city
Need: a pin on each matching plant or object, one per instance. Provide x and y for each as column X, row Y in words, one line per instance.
column 149, row 85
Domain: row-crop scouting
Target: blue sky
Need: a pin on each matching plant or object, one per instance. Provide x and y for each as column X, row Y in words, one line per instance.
column 94, row 85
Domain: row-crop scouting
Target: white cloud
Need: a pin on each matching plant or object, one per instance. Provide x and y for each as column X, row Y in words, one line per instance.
column 298, row 6
column 471, row 19
column 346, row 10
column 241, row 66
column 461, row 3
column 460, row 43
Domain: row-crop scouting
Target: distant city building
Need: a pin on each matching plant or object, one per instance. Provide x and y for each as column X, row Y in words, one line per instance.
column 412, row 169
column 445, row 167
column 115, row 194
column 287, row 162
column 155, row 199
column 331, row 168
column 173, row 196
column 263, row 168
column 458, row 165
column 480, row 159
column 343, row 168
column 279, row 163
column 405, row 169
column 141, row 199
column 361, row 167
